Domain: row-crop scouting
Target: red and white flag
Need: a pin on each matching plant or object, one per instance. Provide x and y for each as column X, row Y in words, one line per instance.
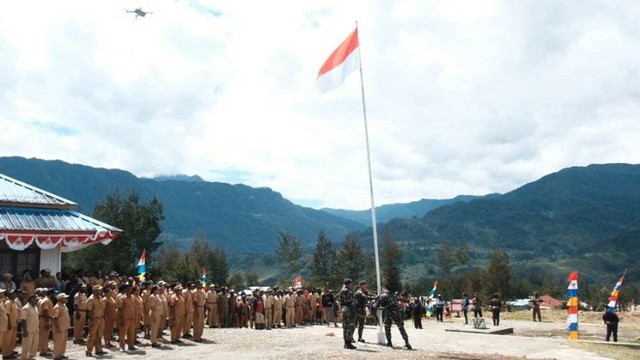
column 343, row 61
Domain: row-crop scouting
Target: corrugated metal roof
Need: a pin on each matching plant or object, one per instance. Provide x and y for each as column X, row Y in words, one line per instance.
column 15, row 191
column 27, row 219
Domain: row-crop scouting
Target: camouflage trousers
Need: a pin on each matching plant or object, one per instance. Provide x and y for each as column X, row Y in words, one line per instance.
column 359, row 318
column 348, row 324
column 389, row 319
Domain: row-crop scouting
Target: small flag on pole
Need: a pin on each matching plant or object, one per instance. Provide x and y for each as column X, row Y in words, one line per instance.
column 432, row 295
column 572, row 306
column 433, row 291
column 344, row 60
column 613, row 299
column 203, row 278
column 142, row 268
column 298, row 281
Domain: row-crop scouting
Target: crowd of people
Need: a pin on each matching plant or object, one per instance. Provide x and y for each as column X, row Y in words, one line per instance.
column 96, row 310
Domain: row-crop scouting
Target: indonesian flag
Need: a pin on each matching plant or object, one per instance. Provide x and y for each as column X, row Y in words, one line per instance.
column 343, row 61
column 298, row 281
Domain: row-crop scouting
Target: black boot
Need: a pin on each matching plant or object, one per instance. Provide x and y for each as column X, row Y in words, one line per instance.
column 348, row 345
column 389, row 344
column 407, row 345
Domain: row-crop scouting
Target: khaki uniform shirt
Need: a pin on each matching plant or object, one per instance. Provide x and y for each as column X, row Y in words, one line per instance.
column 4, row 318
column 12, row 313
column 188, row 300
column 198, row 297
column 61, row 313
column 95, row 308
column 30, row 315
column 45, row 307
column 178, row 305
column 155, row 305
column 126, row 307
column 80, row 301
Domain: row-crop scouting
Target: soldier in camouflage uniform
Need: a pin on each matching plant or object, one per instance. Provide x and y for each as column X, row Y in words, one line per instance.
column 346, row 299
column 391, row 314
column 361, row 299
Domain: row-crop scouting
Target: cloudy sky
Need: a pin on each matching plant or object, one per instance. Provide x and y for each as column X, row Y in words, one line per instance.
column 463, row 97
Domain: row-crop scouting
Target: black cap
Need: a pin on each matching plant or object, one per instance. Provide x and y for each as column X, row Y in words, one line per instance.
column 363, row 282
column 347, row 281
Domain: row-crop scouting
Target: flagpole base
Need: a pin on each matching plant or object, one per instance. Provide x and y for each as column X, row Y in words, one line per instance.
column 382, row 339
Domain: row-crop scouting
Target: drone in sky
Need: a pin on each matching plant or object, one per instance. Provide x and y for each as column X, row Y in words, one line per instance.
column 139, row 12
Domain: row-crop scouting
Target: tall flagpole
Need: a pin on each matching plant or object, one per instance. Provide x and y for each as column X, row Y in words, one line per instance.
column 381, row 335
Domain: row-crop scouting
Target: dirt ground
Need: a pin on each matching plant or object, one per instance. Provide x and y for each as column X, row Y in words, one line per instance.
column 531, row 340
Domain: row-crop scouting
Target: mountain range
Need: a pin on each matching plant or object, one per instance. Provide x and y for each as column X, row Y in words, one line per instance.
column 241, row 218
column 574, row 218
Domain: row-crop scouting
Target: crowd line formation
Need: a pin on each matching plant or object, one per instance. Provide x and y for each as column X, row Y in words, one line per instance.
column 95, row 310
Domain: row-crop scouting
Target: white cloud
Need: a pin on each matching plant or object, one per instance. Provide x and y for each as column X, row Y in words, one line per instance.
column 463, row 97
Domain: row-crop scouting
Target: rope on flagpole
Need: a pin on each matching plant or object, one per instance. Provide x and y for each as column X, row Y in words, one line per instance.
column 381, row 336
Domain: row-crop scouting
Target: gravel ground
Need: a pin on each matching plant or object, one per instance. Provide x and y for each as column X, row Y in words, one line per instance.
column 530, row 340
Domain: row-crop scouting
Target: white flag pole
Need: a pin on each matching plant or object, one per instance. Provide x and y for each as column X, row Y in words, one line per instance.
column 381, row 335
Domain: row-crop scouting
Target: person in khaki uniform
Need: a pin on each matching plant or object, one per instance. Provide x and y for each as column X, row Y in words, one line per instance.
column 213, row 318
column 177, row 314
column 300, row 307
column 61, row 325
column 290, row 305
column 146, row 320
column 4, row 318
column 198, row 315
column 29, row 324
column 164, row 296
column 127, row 317
column 156, row 314
column 278, row 303
column 80, row 314
column 139, row 306
column 110, row 317
column 267, row 301
column 11, row 334
column 190, row 308
column 45, row 310
column 95, row 315
column 313, row 307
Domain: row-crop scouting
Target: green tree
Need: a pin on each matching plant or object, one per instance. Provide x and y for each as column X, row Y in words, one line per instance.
column 351, row 259
column 497, row 278
column 290, row 253
column 236, row 281
column 251, row 278
column 446, row 259
column 140, row 225
column 324, row 261
column 390, row 264
column 218, row 266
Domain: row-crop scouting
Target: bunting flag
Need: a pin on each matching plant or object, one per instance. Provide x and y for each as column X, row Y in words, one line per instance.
column 572, row 306
column 298, row 281
column 613, row 299
column 203, row 278
column 344, row 60
column 142, row 269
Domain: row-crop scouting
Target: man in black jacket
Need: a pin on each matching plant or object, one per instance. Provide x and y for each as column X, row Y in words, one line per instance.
column 611, row 320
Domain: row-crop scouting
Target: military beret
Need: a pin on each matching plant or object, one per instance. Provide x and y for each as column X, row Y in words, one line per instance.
column 347, row 281
column 363, row 282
